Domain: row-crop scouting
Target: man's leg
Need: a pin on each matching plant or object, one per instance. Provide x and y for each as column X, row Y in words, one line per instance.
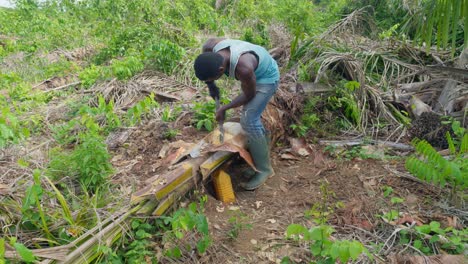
column 257, row 142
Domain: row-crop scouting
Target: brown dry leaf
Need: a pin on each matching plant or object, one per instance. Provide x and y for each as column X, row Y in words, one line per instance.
column 453, row 222
column 4, row 189
column 319, row 158
column 283, row 188
column 407, row 219
column 236, row 149
column 299, row 146
column 287, row 156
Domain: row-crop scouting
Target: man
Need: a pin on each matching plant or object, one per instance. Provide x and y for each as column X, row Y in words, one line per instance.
column 258, row 73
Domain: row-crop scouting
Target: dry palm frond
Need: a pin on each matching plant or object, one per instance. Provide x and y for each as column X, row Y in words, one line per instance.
column 126, row 94
column 345, row 63
column 359, row 22
column 393, row 71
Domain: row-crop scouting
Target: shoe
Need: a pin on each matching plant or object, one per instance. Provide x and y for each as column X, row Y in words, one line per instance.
column 260, row 152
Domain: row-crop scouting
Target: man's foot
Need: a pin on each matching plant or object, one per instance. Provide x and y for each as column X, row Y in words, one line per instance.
column 260, row 152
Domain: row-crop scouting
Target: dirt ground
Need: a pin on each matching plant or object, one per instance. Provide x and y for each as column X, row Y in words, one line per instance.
column 253, row 229
column 265, row 214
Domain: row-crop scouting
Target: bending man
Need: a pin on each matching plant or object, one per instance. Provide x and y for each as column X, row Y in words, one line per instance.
column 258, row 73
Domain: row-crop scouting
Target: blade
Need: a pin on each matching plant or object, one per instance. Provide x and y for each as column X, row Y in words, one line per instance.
column 221, row 128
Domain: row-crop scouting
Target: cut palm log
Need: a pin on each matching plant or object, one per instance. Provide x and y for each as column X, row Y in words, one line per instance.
column 160, row 194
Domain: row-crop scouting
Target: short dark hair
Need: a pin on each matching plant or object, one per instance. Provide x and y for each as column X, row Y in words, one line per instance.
column 207, row 65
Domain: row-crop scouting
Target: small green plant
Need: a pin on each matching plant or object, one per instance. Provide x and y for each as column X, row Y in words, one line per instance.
column 185, row 221
column 322, row 247
column 169, row 114
column 238, row 223
column 91, row 161
column 386, row 34
column 387, row 190
column 299, row 129
column 139, row 248
column 391, row 215
column 11, row 130
column 33, row 213
column 171, row 134
column 103, row 113
column 395, row 202
column 309, row 119
column 141, row 108
column 321, row 211
column 345, row 100
column 431, row 238
column 459, row 140
column 205, row 115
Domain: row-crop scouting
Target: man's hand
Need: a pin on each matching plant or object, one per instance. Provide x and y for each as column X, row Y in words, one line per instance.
column 221, row 114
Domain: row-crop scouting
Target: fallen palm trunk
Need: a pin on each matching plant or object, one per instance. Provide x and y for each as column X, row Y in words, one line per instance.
column 154, row 199
column 196, row 166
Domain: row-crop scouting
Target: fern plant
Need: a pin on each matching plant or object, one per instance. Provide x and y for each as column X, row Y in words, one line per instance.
column 429, row 165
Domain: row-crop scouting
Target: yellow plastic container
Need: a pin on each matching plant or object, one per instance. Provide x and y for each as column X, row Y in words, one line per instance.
column 223, row 187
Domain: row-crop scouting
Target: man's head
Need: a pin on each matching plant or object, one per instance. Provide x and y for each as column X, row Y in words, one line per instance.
column 209, row 66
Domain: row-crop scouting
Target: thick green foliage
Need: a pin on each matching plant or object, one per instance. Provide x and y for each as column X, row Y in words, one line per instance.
column 346, row 101
column 127, row 68
column 91, row 161
column 322, row 247
column 431, row 238
column 164, row 55
column 432, row 167
column 205, row 115
column 11, row 130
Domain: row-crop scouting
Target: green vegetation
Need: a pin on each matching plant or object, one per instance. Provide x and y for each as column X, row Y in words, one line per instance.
column 56, row 57
column 318, row 238
column 429, row 165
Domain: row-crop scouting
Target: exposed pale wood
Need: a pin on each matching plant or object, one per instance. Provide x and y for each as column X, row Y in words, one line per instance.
column 447, row 97
column 311, row 87
column 62, row 87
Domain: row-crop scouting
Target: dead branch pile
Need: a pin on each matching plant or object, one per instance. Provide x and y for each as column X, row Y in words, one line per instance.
column 395, row 76
column 126, row 94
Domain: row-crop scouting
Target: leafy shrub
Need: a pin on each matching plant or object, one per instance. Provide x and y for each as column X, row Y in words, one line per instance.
column 322, row 247
column 431, row 238
column 345, row 100
column 205, row 115
column 141, row 108
column 127, row 68
column 90, row 75
column 89, row 162
column 164, row 55
column 103, row 114
column 309, row 118
column 11, row 130
column 186, row 220
column 92, row 161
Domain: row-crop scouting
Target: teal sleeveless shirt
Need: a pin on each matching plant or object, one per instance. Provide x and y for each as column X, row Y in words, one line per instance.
column 267, row 69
